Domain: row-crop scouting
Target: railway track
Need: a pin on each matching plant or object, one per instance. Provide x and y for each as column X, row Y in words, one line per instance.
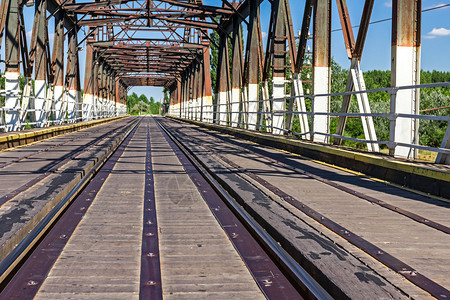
column 28, row 257
column 246, row 204
column 27, row 267
column 217, row 148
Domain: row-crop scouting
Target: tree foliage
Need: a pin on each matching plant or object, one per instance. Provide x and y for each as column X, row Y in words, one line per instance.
column 137, row 104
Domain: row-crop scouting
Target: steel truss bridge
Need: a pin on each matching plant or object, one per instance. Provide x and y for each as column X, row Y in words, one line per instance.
column 167, row 43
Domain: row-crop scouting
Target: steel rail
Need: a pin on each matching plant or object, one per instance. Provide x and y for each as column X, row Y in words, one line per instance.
column 377, row 253
column 300, row 276
column 15, row 257
column 70, row 156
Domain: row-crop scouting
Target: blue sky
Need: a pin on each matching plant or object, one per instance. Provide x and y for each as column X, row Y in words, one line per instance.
column 435, row 35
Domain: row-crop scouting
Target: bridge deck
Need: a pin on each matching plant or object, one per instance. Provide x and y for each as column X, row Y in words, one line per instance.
column 416, row 244
column 356, row 235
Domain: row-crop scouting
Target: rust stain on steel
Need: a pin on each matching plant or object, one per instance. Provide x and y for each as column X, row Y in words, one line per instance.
column 28, row 279
column 322, row 34
column 346, row 27
column 406, row 20
column 150, row 282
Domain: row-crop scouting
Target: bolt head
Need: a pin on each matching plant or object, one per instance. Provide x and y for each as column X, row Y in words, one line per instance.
column 32, row 283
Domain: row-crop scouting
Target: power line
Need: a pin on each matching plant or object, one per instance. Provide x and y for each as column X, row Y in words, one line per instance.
column 388, row 19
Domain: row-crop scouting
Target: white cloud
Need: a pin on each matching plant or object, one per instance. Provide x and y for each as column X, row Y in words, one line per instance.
column 29, row 34
column 264, row 34
column 388, row 3
column 439, row 32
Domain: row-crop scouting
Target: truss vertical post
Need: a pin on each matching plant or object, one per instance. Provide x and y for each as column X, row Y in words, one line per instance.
column 177, row 111
column 279, row 67
column 405, row 70
column 88, row 95
column 194, row 91
column 236, row 72
column 223, row 80
column 101, row 86
column 321, row 68
column 40, row 84
column 12, row 70
column 252, row 66
column 58, row 66
column 117, row 104
column 207, row 92
column 72, row 84
column 96, row 108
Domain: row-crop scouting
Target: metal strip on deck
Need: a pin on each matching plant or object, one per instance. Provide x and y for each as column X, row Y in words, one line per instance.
column 150, row 263
column 198, row 261
column 31, row 275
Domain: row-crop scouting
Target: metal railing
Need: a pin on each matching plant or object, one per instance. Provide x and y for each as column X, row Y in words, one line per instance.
column 222, row 114
column 19, row 118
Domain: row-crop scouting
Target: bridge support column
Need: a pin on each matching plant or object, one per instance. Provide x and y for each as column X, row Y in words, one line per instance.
column 73, row 96
column 236, row 73
column 253, row 67
column 95, row 82
column 321, row 69
column 58, row 63
column 40, row 84
column 405, row 70
column 223, row 80
column 207, row 101
column 88, row 96
column 279, row 67
column 12, row 54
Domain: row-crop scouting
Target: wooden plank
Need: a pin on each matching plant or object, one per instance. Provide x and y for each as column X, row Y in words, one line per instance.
column 197, row 259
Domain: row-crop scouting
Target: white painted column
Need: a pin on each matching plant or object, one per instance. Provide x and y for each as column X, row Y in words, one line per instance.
column 40, row 88
column 278, row 105
column 222, row 108
column 321, row 104
column 71, row 105
column 88, row 104
column 235, row 101
column 252, row 105
column 404, row 102
column 12, row 101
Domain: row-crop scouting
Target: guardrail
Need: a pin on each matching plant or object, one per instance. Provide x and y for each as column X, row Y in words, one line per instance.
column 223, row 115
column 22, row 116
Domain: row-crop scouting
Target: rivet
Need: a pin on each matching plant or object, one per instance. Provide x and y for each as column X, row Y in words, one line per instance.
column 413, row 273
column 267, row 282
column 346, row 232
column 63, row 236
column 322, row 218
column 379, row 252
column 149, row 234
column 150, row 254
column 148, row 209
column 32, row 282
column 149, row 222
column 234, row 235
column 151, row 282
